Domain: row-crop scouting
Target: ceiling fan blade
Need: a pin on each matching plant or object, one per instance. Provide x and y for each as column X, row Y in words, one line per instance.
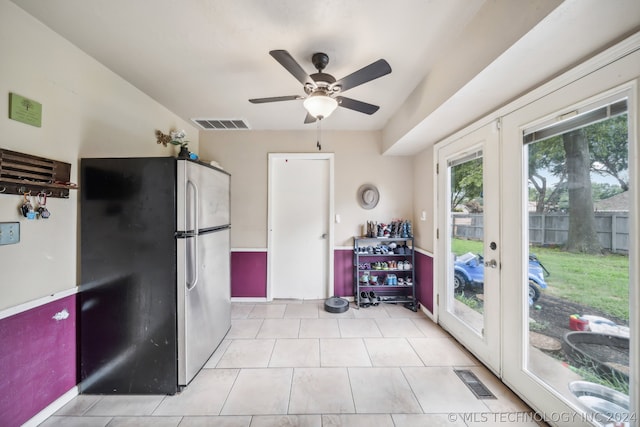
column 309, row 119
column 356, row 105
column 275, row 99
column 290, row 64
column 363, row 75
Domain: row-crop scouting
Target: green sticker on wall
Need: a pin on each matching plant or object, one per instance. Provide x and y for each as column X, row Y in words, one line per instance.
column 25, row 110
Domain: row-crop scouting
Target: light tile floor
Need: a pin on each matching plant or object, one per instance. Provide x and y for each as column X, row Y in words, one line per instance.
column 291, row 363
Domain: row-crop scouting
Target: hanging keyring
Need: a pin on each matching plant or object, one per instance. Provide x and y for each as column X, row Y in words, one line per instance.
column 42, row 202
column 26, row 209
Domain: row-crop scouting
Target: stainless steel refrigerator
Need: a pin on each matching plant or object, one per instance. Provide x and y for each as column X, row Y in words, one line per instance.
column 154, row 297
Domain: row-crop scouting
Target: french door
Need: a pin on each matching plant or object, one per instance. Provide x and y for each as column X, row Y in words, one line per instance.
column 556, row 147
column 469, row 244
column 492, row 294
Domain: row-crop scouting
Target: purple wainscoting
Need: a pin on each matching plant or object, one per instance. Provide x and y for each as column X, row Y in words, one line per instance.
column 343, row 272
column 424, row 279
column 37, row 359
column 249, row 274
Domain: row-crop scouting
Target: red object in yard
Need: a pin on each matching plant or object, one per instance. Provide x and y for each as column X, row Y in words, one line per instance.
column 578, row 324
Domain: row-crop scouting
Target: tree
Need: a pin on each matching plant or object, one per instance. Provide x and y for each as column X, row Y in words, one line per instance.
column 466, row 182
column 547, row 155
column 582, row 223
column 608, row 155
column 602, row 191
column 608, row 144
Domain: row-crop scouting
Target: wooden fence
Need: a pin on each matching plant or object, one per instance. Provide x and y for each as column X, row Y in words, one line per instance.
column 552, row 229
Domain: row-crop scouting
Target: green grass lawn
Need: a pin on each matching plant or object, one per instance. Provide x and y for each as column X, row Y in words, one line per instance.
column 598, row 281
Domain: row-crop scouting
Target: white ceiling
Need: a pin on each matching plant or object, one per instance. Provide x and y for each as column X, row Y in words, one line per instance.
column 206, row 58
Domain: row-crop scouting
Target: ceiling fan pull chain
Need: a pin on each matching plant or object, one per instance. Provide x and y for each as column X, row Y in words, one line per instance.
column 318, row 139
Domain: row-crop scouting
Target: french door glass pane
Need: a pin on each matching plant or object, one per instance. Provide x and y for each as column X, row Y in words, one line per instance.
column 465, row 285
column 578, row 240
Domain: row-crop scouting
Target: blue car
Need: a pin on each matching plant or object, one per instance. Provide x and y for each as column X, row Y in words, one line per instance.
column 469, row 275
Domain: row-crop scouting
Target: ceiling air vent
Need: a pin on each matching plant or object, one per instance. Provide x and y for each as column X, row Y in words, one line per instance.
column 221, row 124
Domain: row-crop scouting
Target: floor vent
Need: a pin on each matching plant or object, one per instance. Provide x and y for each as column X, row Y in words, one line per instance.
column 474, row 384
column 221, row 124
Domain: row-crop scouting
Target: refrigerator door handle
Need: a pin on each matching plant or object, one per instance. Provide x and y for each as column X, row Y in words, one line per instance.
column 195, row 208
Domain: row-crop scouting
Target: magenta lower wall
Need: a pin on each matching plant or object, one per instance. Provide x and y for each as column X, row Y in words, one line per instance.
column 343, row 272
column 249, row 275
column 424, row 279
column 37, row 360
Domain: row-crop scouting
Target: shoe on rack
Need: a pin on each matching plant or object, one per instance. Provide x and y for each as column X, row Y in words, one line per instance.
column 373, row 298
column 364, row 299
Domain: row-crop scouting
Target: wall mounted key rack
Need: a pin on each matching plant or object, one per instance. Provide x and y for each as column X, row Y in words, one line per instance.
column 23, row 173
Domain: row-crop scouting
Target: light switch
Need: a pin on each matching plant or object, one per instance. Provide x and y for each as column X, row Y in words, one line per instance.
column 9, row 233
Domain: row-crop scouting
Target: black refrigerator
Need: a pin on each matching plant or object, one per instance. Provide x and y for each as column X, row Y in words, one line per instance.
column 154, row 296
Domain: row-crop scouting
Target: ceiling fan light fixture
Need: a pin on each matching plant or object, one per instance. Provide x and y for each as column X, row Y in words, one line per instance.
column 320, row 105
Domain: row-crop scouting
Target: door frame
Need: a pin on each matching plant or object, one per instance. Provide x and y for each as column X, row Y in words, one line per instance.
column 486, row 345
column 330, row 214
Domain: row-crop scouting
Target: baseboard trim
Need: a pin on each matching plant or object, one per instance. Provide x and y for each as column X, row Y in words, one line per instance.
column 248, row 299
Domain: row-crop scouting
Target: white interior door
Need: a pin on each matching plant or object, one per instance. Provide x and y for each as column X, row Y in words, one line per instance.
column 300, row 230
column 469, row 246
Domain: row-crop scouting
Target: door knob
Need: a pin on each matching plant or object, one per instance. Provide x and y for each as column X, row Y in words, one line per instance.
column 324, row 236
column 493, row 263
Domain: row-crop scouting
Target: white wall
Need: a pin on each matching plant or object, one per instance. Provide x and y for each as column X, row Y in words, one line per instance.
column 424, row 197
column 87, row 111
column 357, row 161
column 498, row 25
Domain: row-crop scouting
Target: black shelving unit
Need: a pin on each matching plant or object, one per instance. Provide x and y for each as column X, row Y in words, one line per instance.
column 386, row 266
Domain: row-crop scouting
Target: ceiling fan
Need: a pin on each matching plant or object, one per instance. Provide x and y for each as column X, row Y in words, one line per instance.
column 323, row 90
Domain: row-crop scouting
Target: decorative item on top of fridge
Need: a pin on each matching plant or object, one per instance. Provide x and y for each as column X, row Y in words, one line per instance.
column 176, row 137
column 397, row 228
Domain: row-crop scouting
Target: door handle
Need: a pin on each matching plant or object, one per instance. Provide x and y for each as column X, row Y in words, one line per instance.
column 493, row 263
column 324, row 236
column 192, row 262
column 194, row 208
